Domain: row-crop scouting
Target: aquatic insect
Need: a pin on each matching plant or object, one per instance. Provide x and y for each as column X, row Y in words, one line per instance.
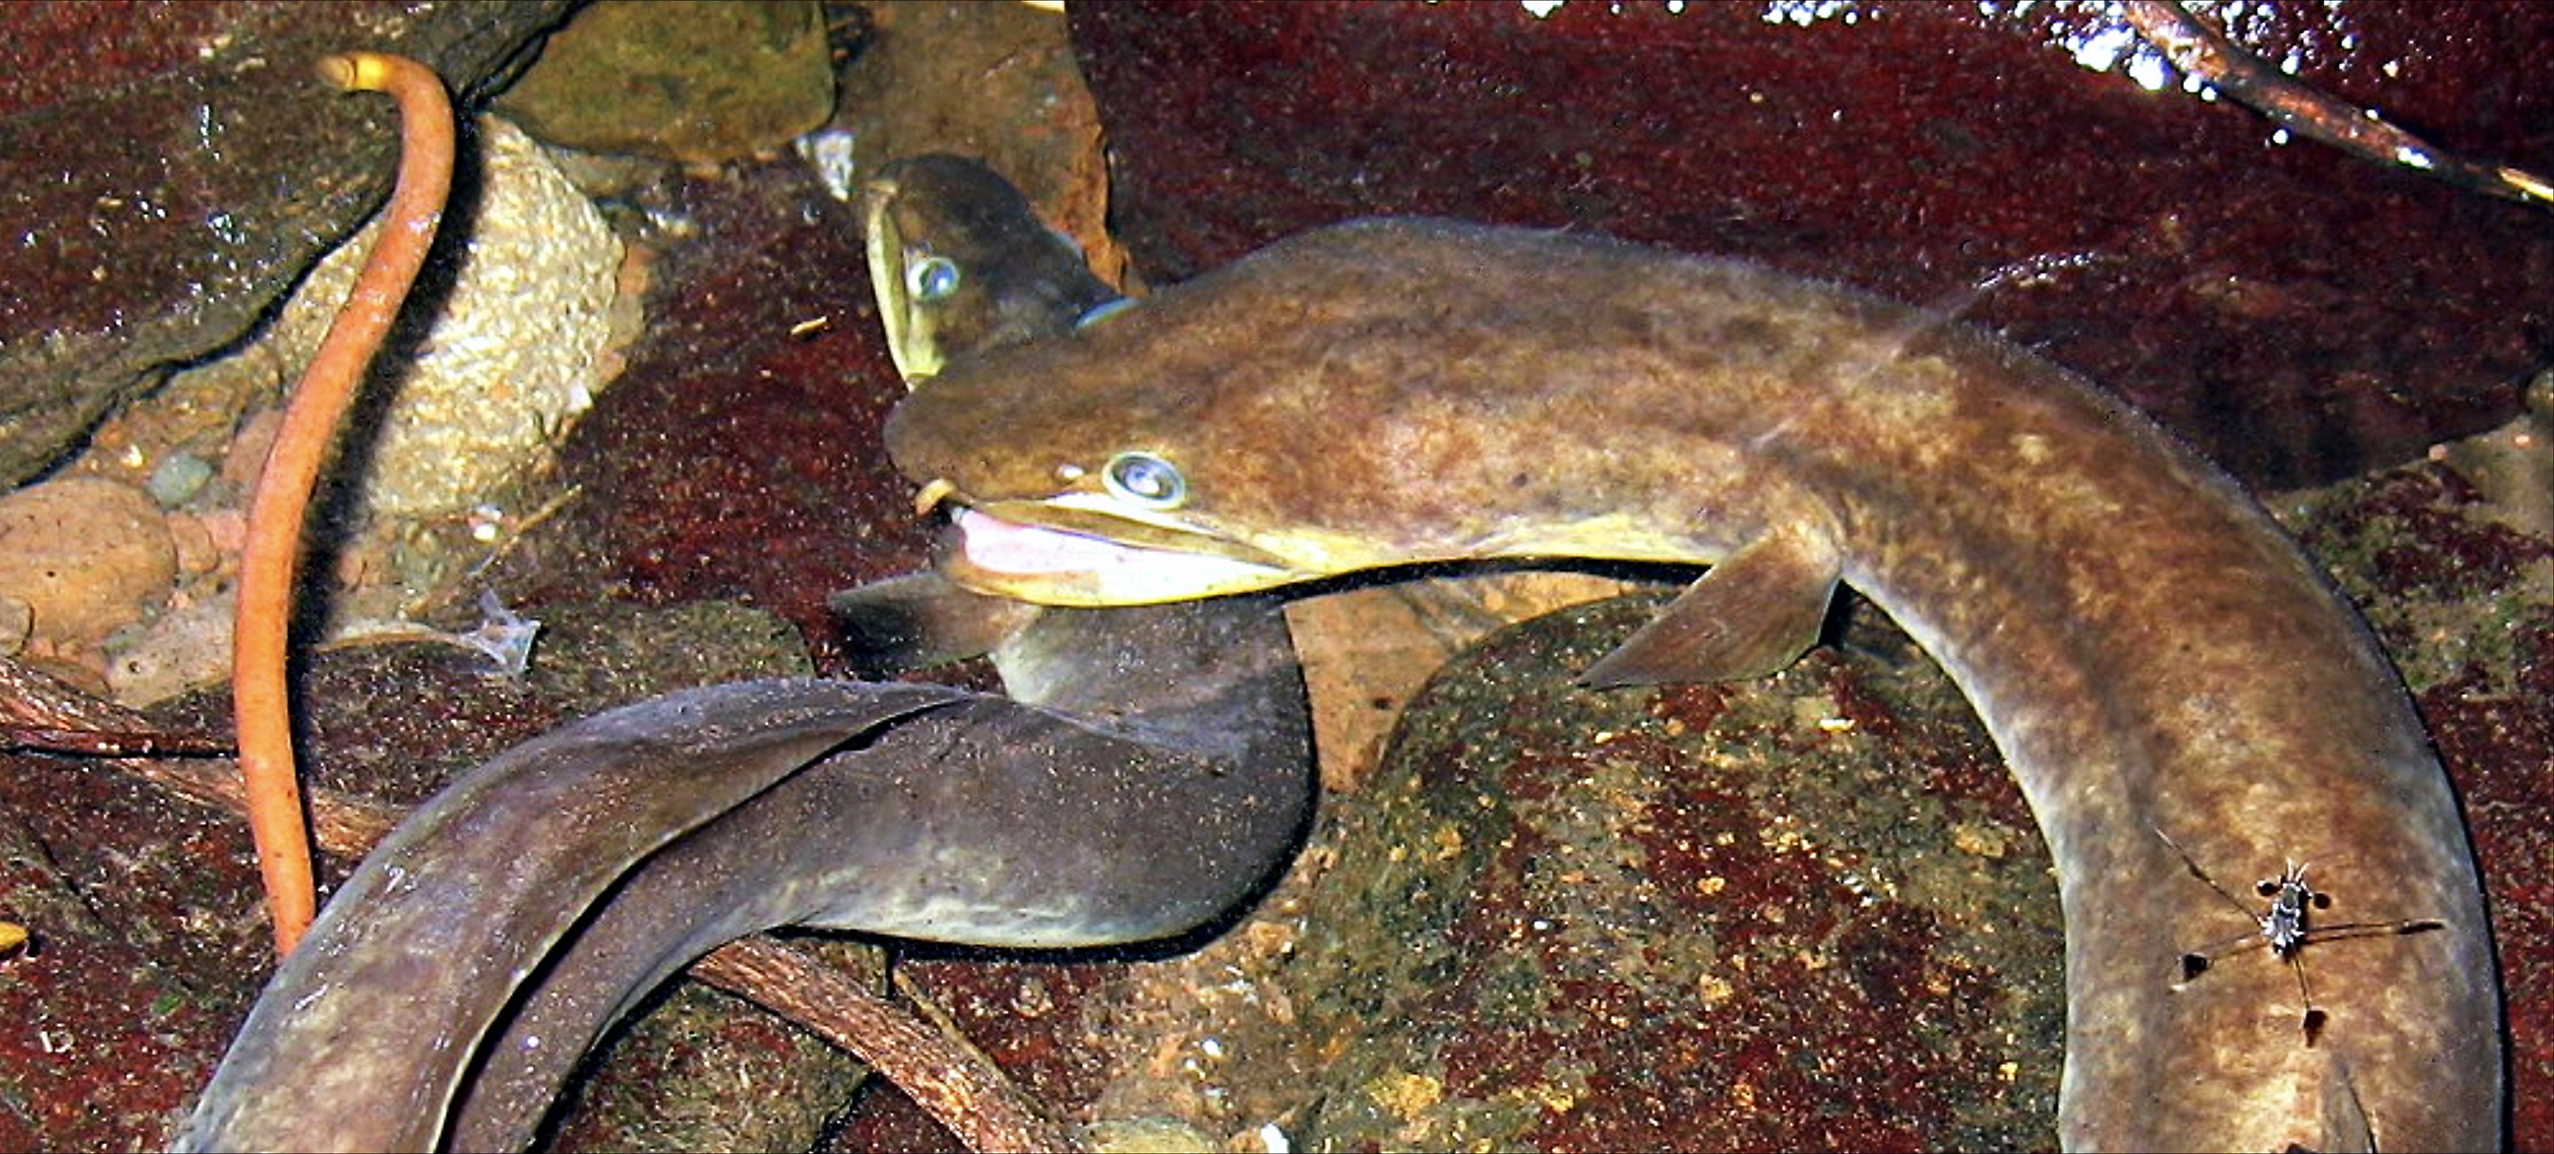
column 2286, row 927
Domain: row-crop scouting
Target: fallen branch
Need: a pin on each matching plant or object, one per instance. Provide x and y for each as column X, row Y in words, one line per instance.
column 951, row 1080
column 2198, row 48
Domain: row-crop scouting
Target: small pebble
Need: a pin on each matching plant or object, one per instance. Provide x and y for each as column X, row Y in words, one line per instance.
column 87, row 556
column 178, row 478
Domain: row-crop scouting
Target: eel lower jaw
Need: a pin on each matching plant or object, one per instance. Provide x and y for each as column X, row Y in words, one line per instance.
column 915, row 353
column 1056, row 566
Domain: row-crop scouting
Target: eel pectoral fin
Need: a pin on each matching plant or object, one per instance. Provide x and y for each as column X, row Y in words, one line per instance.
column 1751, row 615
column 920, row 621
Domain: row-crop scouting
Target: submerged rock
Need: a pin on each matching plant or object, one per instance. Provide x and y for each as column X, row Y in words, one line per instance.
column 167, row 170
column 84, row 557
column 696, row 82
column 512, row 353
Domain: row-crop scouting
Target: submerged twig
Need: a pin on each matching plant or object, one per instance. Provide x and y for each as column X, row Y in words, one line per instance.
column 951, row 1081
column 40, row 713
column 272, row 551
column 2199, row 49
column 43, row 714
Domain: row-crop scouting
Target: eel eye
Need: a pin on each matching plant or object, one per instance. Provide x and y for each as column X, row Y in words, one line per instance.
column 1144, row 480
column 931, row 279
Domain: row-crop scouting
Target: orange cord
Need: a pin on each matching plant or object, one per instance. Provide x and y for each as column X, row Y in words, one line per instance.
column 272, row 551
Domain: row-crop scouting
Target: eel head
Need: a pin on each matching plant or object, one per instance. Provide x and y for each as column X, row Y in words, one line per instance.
column 1345, row 400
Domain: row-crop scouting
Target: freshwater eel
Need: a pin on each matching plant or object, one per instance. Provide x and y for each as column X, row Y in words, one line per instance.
column 1158, row 780
column 960, row 262
column 2151, row 654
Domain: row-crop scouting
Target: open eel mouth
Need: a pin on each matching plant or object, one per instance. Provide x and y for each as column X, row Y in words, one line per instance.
column 1062, row 551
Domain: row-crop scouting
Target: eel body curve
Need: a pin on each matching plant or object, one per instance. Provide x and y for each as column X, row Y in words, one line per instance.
column 1150, row 771
column 2153, row 656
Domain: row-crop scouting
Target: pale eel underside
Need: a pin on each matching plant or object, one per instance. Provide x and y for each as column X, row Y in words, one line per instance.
column 1153, row 771
column 2154, row 658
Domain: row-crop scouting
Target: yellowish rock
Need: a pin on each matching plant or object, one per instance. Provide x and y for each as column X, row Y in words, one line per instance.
column 515, row 354
column 86, row 556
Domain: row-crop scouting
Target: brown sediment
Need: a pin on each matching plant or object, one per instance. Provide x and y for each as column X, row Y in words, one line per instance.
column 271, row 554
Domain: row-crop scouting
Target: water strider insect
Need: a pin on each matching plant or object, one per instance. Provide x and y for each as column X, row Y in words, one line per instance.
column 2286, row 927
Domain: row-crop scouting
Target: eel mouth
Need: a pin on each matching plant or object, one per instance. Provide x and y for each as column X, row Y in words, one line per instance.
column 1056, row 553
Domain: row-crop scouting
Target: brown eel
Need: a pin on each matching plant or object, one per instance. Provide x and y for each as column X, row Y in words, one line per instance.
column 2153, row 657
column 1151, row 772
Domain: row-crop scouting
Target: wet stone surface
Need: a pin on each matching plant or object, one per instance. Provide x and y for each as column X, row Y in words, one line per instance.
column 1807, row 912
column 1683, row 917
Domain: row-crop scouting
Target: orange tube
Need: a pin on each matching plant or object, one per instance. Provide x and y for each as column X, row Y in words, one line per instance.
column 259, row 696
